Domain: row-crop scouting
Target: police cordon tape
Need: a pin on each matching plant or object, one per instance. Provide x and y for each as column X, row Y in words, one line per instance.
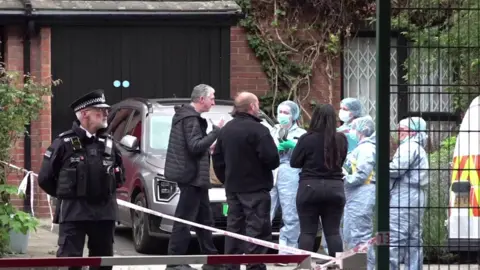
column 360, row 248
column 303, row 261
column 292, row 250
column 23, row 188
column 226, row 233
column 331, row 260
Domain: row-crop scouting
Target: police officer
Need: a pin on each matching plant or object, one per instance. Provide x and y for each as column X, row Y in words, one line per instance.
column 82, row 169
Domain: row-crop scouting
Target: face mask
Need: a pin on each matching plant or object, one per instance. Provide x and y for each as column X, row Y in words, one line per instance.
column 283, row 119
column 344, row 116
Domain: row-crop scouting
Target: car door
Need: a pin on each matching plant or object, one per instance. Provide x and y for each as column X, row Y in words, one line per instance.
column 131, row 158
column 117, row 126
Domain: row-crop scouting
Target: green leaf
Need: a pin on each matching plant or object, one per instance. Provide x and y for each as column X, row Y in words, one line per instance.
column 9, row 189
column 21, row 103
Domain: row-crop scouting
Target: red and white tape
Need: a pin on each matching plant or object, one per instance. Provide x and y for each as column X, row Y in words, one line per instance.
column 23, row 186
column 331, row 260
column 303, row 261
column 381, row 238
column 295, row 251
column 360, row 248
column 226, row 233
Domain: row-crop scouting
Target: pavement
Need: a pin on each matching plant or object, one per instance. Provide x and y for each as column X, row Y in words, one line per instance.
column 43, row 243
column 123, row 239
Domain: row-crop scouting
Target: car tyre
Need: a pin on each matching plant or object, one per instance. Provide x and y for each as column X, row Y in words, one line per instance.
column 143, row 242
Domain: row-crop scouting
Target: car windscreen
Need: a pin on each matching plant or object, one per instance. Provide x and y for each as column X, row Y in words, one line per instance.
column 160, row 126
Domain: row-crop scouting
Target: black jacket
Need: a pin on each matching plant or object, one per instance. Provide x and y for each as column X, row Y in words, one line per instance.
column 56, row 156
column 309, row 155
column 245, row 155
column 188, row 157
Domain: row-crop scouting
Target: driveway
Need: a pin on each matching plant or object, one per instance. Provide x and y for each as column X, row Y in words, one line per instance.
column 124, row 243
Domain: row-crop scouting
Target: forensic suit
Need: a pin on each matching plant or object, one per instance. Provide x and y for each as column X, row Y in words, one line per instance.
column 408, row 180
column 360, row 189
column 285, row 189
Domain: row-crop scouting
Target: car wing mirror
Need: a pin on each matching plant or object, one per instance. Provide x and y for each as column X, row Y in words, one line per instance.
column 130, row 142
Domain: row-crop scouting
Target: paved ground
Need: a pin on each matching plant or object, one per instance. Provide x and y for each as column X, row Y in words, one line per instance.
column 43, row 244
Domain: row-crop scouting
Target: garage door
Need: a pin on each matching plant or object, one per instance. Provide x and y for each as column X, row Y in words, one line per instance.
column 150, row 62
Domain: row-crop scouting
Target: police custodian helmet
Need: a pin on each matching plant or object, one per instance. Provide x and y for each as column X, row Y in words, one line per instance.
column 93, row 99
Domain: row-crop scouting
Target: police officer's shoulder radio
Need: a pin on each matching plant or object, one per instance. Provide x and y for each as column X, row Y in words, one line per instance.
column 107, row 140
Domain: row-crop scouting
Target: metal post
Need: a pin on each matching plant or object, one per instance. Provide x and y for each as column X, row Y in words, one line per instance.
column 383, row 129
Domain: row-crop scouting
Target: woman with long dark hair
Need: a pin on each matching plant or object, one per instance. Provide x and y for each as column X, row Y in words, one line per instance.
column 320, row 153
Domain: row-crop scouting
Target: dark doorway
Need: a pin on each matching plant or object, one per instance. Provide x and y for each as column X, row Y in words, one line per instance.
column 84, row 59
column 150, row 62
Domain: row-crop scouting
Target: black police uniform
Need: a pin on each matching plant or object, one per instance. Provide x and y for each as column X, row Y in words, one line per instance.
column 83, row 172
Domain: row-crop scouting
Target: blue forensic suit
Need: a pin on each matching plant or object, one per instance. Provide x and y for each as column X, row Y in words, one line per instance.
column 284, row 192
column 360, row 196
column 408, row 179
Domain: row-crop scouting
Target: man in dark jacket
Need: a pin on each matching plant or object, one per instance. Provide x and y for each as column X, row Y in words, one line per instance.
column 244, row 157
column 188, row 164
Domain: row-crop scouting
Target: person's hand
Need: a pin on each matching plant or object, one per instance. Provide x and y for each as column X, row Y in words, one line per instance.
column 280, row 148
column 288, row 144
column 221, row 123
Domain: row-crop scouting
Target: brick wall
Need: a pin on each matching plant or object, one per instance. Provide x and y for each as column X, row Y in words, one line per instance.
column 245, row 70
column 13, row 59
column 40, row 128
column 247, row 75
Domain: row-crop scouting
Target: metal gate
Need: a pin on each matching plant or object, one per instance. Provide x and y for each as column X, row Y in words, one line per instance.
column 429, row 208
column 359, row 66
column 426, row 94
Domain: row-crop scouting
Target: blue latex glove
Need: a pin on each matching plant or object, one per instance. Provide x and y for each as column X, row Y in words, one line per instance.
column 280, row 148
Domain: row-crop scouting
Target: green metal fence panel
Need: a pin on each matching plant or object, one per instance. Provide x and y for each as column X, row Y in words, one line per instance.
column 428, row 165
column 383, row 127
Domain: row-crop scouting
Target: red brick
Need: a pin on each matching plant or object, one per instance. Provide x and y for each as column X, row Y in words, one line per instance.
column 243, row 61
column 40, row 132
column 247, row 74
column 43, row 136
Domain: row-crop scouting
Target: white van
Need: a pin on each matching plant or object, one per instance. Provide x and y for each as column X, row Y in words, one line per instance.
column 463, row 222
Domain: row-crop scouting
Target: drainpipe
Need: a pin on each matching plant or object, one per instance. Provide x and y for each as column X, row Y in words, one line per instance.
column 27, row 145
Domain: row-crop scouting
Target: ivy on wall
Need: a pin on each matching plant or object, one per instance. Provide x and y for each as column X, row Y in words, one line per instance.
column 289, row 37
column 20, row 103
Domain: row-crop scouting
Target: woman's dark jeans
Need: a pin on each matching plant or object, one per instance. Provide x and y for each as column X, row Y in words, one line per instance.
column 325, row 199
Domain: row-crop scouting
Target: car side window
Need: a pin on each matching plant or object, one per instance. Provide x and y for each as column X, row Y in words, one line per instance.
column 160, row 126
column 118, row 123
column 135, row 126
